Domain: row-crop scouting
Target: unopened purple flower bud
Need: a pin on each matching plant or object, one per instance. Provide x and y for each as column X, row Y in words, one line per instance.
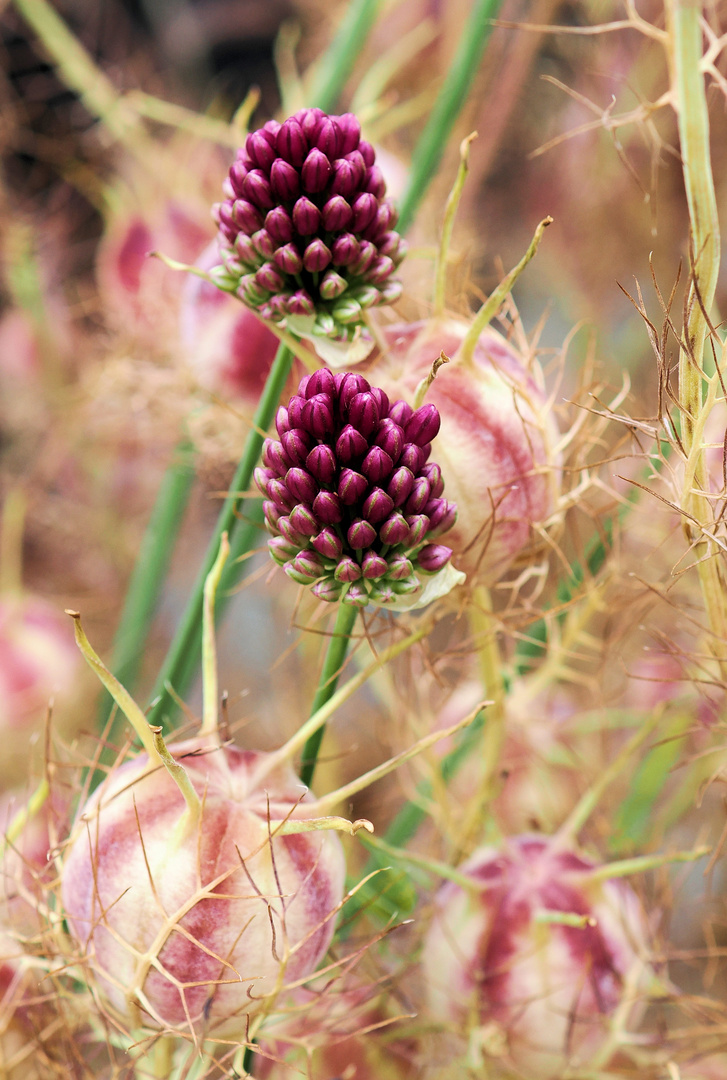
column 278, row 492
column 361, row 534
column 399, row 566
column 275, row 458
column 400, row 412
column 328, row 543
column 327, row 508
column 256, row 190
column 390, row 438
column 347, row 570
column 368, row 254
column 412, row 457
column 237, row 175
column 366, row 295
column 336, row 214
column 364, row 208
column 377, row 506
column 345, row 179
column 263, row 243
column 346, row 250
column 329, row 137
column 382, row 592
column 306, row 216
column 442, row 516
column 357, row 595
column 389, row 244
column 269, row 277
column 395, row 530
column 328, row 590
column 279, row 224
column 377, row 465
column 405, row 586
column 374, row 182
column 373, row 566
column 262, row 477
column 350, row 129
column 303, row 521
column 246, row 216
column 419, row 496
column 350, row 445
column 318, row 416
column 418, row 529
column 351, row 486
column 422, row 425
column 295, row 411
column 246, row 250
column 332, row 285
column 363, row 413
column 322, row 381
column 315, row 172
column 367, row 153
column 380, row 270
column 390, row 292
column 310, row 120
column 433, row 557
column 291, row 143
column 301, row 485
column 284, row 181
column 433, row 474
column 321, row 463
column 351, row 384
column 281, row 550
column 286, row 529
column 288, row 260
column 301, row 303
column 260, row 151
column 316, row 256
column 308, row 568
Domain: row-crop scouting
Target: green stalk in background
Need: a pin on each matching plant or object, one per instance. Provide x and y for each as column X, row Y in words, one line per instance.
column 334, row 68
column 182, row 652
column 332, row 665
column 433, row 140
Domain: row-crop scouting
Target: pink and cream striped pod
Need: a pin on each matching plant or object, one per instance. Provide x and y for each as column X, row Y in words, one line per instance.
column 497, row 443
column 37, row 658
column 539, row 951
column 195, row 927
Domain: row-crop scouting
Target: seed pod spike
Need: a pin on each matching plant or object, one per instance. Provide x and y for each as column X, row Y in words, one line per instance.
column 210, row 700
column 180, row 777
column 119, row 693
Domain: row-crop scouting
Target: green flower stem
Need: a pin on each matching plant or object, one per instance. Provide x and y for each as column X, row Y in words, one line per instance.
column 332, row 665
column 430, row 148
column 184, row 652
column 146, row 581
column 685, row 34
column 335, row 66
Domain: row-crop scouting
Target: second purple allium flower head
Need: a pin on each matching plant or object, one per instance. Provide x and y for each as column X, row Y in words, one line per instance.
column 305, row 229
column 352, row 499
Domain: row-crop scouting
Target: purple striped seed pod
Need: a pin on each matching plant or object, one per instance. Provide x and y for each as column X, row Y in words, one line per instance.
column 336, row 492
column 304, row 197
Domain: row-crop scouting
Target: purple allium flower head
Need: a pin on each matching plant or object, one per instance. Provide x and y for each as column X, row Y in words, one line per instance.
column 301, row 195
column 350, row 492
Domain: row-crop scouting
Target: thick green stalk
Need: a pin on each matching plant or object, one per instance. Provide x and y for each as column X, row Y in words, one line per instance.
column 183, row 654
column 334, row 67
column 685, row 33
column 433, row 140
column 332, row 665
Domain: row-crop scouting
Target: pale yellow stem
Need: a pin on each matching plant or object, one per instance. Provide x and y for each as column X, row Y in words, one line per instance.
column 450, row 213
column 210, row 690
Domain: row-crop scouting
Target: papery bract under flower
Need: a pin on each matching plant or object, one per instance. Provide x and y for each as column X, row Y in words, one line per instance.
column 199, row 928
column 496, row 446
column 551, row 988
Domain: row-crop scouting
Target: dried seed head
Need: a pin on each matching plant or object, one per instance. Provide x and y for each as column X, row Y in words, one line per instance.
column 302, row 197
column 540, row 950
column 371, row 536
column 496, row 447
column 193, row 925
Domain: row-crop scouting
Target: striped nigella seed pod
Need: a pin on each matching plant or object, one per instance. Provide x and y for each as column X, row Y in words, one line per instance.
column 305, row 228
column 352, row 501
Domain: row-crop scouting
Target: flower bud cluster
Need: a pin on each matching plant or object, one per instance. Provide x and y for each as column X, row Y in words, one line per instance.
column 351, row 497
column 305, row 229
